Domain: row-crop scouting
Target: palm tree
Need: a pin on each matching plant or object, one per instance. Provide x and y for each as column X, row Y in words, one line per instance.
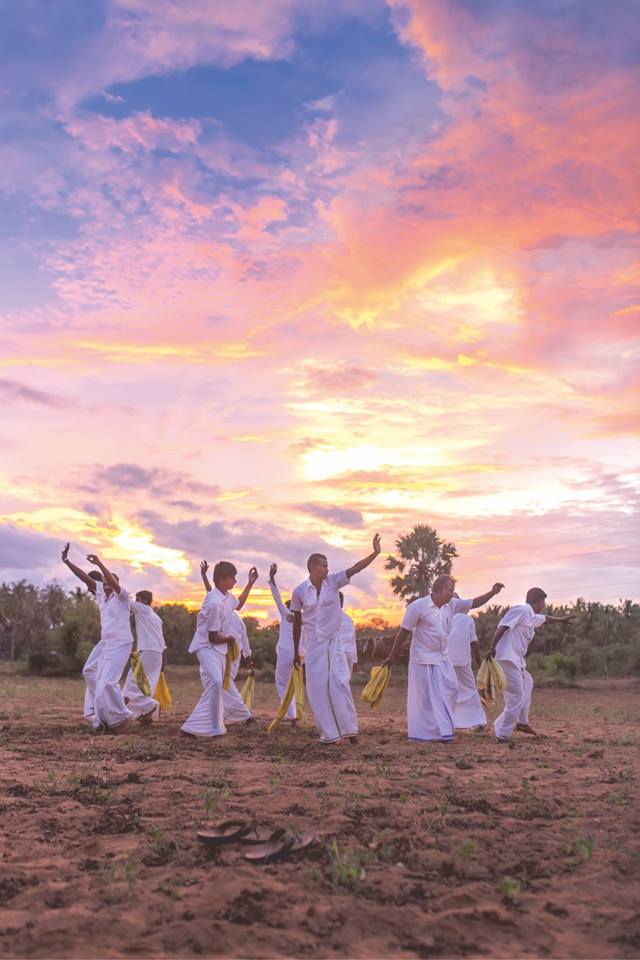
column 423, row 556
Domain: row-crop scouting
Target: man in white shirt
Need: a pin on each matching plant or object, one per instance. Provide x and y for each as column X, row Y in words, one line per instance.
column 462, row 643
column 110, row 709
column 151, row 646
column 234, row 708
column 432, row 685
column 284, row 647
column 347, row 637
column 93, row 582
column 328, row 687
column 510, row 643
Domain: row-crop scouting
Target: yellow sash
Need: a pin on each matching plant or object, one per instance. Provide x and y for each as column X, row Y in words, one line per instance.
column 233, row 652
column 490, row 681
column 376, row 685
column 295, row 688
column 140, row 677
column 162, row 693
column 247, row 691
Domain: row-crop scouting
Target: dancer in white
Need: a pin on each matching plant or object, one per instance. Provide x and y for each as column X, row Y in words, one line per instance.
column 234, row 708
column 327, row 678
column 463, row 647
column 432, row 686
column 151, row 646
column 93, row 582
column 348, row 637
column 510, row 643
column 213, row 633
column 110, row 708
column 284, row 647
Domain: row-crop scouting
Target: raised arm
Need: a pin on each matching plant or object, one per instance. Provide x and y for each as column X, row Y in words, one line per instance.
column 108, row 576
column 362, row 564
column 401, row 637
column 80, row 574
column 484, row 597
column 275, row 593
column 242, row 599
column 204, row 566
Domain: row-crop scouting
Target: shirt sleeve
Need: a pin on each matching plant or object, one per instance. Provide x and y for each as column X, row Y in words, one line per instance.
column 275, row 593
column 211, row 617
column 339, row 580
column 473, row 636
column 411, row 616
column 461, row 606
column 123, row 596
column 539, row 620
column 136, row 606
column 296, row 601
column 512, row 617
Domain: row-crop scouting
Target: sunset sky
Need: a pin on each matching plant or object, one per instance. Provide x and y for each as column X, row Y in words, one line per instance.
column 279, row 275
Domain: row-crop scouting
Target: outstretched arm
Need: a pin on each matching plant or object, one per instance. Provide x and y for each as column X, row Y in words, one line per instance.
column 108, row 576
column 275, row 593
column 566, row 619
column 244, row 596
column 362, row 564
column 204, row 566
column 401, row 636
column 80, row 574
column 484, row 597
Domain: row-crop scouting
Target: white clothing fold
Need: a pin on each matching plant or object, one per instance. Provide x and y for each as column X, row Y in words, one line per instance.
column 431, row 700
column 234, row 707
column 109, row 706
column 517, row 699
column 90, row 673
column 329, row 689
column 469, row 711
column 207, row 717
column 139, row 704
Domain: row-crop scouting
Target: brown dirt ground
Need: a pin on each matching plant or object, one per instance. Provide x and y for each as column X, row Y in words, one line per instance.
column 469, row 849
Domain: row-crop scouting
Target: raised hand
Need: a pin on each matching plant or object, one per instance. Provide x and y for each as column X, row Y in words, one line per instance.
column 204, row 566
column 93, row 558
column 376, row 544
column 273, row 569
column 253, row 575
column 65, row 552
column 497, row 587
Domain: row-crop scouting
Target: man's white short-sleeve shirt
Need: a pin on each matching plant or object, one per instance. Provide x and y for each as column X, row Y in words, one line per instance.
column 450, row 609
column 462, row 634
column 238, row 631
column 148, row 627
column 214, row 617
column 115, row 614
column 522, row 623
column 321, row 611
column 429, row 639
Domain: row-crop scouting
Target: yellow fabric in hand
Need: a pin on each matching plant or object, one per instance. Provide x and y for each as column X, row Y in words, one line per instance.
column 377, row 684
column 295, row 688
column 490, row 681
column 140, row 677
column 233, row 652
column 247, row 692
column 162, row 693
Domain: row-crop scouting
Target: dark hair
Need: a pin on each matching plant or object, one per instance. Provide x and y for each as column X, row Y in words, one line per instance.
column 144, row 596
column 341, row 595
column 440, row 582
column 95, row 575
column 223, row 569
column 315, row 558
column 535, row 594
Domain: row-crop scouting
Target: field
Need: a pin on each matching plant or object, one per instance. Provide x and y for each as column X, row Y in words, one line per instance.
column 468, row 849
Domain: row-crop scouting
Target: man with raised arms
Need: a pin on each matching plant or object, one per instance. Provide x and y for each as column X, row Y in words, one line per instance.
column 284, row 647
column 510, row 643
column 432, row 684
column 93, row 582
column 328, row 687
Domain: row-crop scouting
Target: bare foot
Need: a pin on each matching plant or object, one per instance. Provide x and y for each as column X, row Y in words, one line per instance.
column 354, row 739
column 527, row 728
column 146, row 718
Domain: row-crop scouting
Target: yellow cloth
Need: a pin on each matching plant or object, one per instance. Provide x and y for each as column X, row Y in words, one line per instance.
column 376, row 685
column 490, row 681
column 162, row 693
column 247, row 691
column 233, row 652
column 140, row 677
column 295, row 688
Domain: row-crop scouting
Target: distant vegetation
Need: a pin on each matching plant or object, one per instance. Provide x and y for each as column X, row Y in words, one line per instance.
column 52, row 631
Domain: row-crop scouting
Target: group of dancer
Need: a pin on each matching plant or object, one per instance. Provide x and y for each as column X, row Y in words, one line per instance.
column 442, row 695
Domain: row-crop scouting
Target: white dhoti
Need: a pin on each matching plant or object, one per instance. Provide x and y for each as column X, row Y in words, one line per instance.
column 329, row 689
column 207, row 717
column 517, row 699
column 469, row 711
column 284, row 666
column 431, row 700
column 234, row 707
column 90, row 673
column 110, row 708
column 139, row 703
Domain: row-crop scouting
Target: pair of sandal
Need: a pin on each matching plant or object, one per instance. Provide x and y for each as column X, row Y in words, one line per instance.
column 266, row 845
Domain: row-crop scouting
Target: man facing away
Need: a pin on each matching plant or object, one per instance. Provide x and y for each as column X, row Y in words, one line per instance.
column 463, row 646
column 510, row 643
column 150, row 645
column 327, row 680
column 284, row 646
column 94, row 584
column 432, row 684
